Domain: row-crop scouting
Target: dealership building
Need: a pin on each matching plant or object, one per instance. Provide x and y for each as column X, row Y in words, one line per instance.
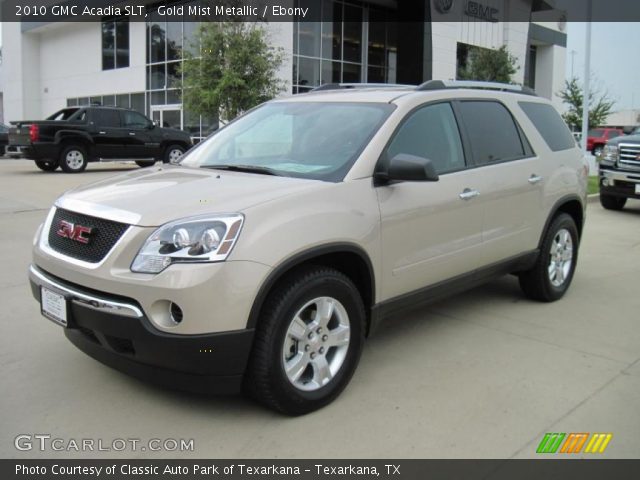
column 47, row 66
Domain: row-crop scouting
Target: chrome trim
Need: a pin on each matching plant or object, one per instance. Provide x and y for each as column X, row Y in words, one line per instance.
column 97, row 210
column 43, row 244
column 84, row 299
column 630, row 177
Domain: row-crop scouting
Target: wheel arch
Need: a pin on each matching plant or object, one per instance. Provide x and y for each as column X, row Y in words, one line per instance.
column 349, row 259
column 571, row 205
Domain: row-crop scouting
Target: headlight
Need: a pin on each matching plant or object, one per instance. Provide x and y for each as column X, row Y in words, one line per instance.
column 609, row 154
column 190, row 240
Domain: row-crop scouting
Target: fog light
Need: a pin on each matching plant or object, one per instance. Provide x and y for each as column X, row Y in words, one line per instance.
column 605, row 182
column 176, row 313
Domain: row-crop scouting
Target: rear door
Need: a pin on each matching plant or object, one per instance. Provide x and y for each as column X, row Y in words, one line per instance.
column 509, row 176
column 430, row 231
column 107, row 133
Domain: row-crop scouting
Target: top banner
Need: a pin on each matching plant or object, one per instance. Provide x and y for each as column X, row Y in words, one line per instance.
column 559, row 11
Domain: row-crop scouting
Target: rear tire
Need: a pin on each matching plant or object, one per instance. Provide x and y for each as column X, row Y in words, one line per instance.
column 550, row 277
column 73, row 159
column 612, row 203
column 302, row 359
column 46, row 165
column 173, row 153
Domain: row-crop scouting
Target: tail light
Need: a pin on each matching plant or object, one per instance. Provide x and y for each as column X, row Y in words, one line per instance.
column 34, row 133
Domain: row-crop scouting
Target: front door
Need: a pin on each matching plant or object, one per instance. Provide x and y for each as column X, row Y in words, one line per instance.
column 167, row 116
column 430, row 231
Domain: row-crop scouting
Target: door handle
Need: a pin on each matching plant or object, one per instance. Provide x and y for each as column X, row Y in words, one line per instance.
column 102, row 133
column 133, row 134
column 533, row 179
column 468, row 194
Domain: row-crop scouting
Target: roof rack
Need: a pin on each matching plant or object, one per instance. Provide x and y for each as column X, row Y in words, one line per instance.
column 449, row 84
column 341, row 86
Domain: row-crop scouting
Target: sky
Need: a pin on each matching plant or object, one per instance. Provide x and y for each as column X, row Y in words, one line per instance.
column 615, row 59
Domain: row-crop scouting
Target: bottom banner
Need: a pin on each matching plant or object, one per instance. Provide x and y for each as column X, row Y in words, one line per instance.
column 321, row 469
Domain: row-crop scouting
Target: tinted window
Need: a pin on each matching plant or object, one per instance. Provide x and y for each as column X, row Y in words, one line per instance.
column 431, row 132
column 549, row 125
column 3, row 129
column 115, row 45
column 595, row 133
column 106, row 118
column 135, row 120
column 492, row 132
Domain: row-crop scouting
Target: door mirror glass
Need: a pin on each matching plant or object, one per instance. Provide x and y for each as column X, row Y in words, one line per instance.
column 409, row 168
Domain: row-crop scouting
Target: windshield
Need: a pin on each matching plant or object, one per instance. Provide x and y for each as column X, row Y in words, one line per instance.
column 316, row 140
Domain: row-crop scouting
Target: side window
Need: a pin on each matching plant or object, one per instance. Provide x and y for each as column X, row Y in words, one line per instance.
column 614, row 133
column 106, row 118
column 493, row 134
column 134, row 120
column 431, row 132
column 549, row 124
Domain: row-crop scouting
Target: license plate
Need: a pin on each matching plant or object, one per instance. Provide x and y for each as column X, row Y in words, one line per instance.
column 54, row 306
column 637, row 188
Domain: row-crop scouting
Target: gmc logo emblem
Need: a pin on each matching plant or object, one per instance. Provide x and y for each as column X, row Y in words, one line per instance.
column 79, row 233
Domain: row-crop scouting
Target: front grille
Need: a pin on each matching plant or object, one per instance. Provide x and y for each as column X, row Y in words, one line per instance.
column 104, row 235
column 121, row 345
column 629, row 155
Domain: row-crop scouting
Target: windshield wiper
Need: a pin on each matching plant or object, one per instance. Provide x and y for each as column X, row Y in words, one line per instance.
column 245, row 168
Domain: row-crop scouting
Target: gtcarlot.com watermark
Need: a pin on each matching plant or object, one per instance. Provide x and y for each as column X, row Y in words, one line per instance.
column 44, row 442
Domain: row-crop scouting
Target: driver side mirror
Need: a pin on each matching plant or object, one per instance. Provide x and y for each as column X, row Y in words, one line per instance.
column 409, row 168
column 152, row 125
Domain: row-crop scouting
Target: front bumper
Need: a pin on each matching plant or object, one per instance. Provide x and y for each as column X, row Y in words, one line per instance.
column 115, row 331
column 619, row 183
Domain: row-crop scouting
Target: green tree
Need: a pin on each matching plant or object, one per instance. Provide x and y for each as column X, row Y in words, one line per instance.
column 233, row 70
column 600, row 105
column 488, row 65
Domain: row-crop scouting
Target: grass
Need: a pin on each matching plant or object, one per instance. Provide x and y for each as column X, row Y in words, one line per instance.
column 593, row 186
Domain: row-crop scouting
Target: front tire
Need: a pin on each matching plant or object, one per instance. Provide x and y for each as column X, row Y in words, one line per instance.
column 46, row 165
column 73, row 159
column 173, row 153
column 550, row 277
column 308, row 343
column 612, row 203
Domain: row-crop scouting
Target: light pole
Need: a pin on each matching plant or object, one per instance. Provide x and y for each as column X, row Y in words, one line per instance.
column 587, row 74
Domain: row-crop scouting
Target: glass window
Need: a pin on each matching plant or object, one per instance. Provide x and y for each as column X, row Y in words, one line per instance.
column 614, row 134
column 596, row 132
column 133, row 119
column 72, row 102
column 299, row 139
column 109, row 100
column 115, row 45
column 95, row 100
column 122, row 100
column 137, row 102
column 332, row 30
column 352, row 49
column 492, row 132
column 308, row 72
column 103, row 117
column 330, row 72
column 174, row 40
column 431, row 132
column 157, row 38
column 549, row 124
column 156, row 77
column 83, row 101
column 309, row 39
column 351, row 73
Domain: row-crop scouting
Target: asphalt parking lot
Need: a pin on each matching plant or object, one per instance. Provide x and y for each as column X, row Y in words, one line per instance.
column 481, row 375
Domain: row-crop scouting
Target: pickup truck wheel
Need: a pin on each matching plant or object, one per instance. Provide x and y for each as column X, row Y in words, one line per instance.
column 612, row 203
column 173, row 153
column 73, row 159
column 46, row 165
column 308, row 341
column 552, row 273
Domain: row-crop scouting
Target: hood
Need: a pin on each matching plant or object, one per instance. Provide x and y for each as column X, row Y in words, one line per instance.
column 153, row 196
column 624, row 139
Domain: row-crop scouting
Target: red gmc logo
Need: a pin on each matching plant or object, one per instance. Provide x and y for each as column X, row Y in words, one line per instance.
column 79, row 233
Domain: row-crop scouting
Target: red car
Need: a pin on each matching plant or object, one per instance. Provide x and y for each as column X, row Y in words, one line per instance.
column 597, row 138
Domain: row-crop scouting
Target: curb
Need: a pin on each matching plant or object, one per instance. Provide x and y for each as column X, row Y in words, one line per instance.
column 594, row 197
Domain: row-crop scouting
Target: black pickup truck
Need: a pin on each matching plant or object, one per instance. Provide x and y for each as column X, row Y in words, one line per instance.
column 74, row 136
column 619, row 171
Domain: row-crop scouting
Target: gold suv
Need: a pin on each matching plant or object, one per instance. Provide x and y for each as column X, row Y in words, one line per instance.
column 264, row 259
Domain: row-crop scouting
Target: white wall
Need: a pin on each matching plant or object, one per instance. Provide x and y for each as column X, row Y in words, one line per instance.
column 46, row 66
column 281, row 35
column 550, row 72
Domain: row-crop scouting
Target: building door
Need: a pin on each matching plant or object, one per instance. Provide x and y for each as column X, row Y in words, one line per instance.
column 167, row 116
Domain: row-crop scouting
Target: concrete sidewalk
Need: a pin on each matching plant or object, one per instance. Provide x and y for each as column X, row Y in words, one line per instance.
column 481, row 375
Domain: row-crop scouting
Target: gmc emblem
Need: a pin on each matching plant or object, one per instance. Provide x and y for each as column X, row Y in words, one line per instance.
column 79, row 233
